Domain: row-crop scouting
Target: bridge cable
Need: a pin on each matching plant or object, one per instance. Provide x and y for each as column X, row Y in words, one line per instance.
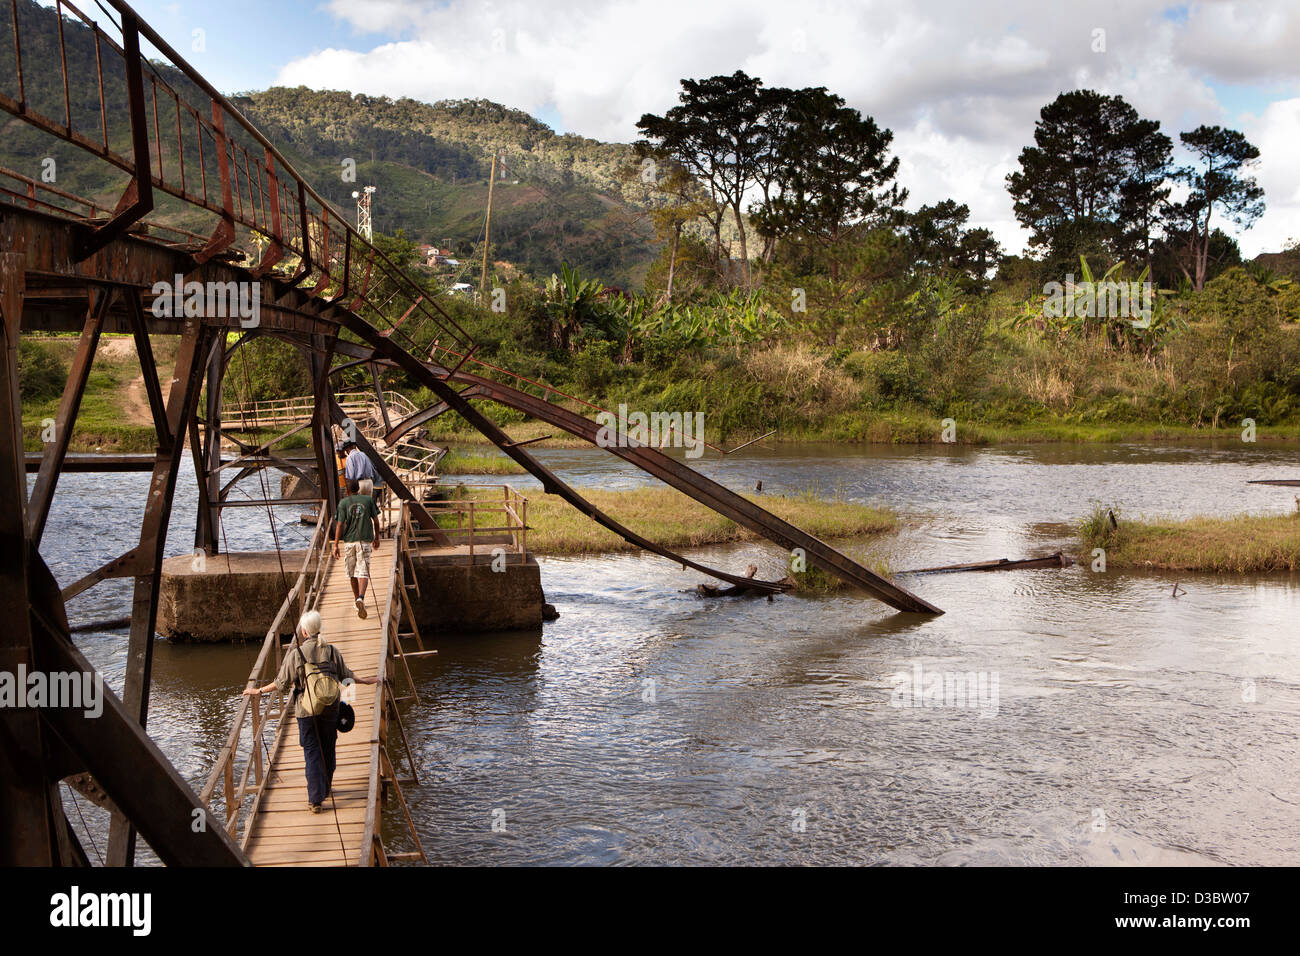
column 89, row 835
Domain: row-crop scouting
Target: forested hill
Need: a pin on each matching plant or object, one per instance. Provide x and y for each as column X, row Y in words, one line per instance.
column 557, row 197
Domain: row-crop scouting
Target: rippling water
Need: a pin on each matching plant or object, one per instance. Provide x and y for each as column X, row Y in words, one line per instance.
column 647, row 725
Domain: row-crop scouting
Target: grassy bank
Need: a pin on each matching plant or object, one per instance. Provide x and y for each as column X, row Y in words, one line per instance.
column 464, row 463
column 675, row 521
column 1236, row 545
column 867, row 428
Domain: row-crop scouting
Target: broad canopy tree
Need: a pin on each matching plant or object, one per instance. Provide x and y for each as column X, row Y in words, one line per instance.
column 811, row 169
column 1093, row 179
column 833, row 175
column 940, row 242
column 717, row 132
column 1099, row 178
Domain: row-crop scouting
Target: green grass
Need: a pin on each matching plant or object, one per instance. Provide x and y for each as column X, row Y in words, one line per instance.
column 671, row 519
column 887, row 428
column 99, row 424
column 1242, row 544
column 461, row 463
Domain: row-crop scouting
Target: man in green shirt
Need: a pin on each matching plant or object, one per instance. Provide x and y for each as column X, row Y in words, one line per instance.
column 355, row 523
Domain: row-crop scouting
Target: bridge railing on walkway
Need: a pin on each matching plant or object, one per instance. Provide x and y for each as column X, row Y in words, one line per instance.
column 238, row 778
column 171, row 132
column 483, row 515
column 278, row 412
column 245, row 740
column 416, row 463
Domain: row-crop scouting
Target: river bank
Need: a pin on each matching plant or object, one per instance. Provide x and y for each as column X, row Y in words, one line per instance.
column 1241, row 544
column 883, row 430
column 114, row 414
column 669, row 518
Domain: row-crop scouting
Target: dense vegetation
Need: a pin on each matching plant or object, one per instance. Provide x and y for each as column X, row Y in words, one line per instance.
column 754, row 258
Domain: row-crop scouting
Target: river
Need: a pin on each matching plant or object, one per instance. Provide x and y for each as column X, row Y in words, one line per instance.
column 1113, row 724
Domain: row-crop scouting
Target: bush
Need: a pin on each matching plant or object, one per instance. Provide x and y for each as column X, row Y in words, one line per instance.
column 40, row 374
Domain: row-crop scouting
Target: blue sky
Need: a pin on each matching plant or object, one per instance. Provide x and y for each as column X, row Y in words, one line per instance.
column 959, row 81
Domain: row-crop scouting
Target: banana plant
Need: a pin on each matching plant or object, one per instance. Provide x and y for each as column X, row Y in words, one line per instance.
column 571, row 301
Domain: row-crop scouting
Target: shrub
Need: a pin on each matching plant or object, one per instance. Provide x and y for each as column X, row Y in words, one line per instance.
column 40, row 374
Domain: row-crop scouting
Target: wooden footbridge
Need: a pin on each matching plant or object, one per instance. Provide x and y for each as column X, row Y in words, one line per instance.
column 258, row 788
column 178, row 156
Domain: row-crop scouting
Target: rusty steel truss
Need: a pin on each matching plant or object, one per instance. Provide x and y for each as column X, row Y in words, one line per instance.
column 92, row 265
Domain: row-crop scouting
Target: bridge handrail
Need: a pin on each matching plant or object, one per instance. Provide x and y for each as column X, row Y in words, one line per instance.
column 263, row 193
column 223, row 770
column 370, row 839
column 470, row 511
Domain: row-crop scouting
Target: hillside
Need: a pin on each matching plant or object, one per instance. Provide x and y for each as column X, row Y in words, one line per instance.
column 559, row 197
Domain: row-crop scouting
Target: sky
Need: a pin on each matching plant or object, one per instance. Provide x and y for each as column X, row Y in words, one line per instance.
column 960, row 82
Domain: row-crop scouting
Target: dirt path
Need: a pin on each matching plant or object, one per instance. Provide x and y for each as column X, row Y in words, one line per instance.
column 135, row 400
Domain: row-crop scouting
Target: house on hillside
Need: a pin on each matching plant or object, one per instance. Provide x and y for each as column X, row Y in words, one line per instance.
column 433, row 256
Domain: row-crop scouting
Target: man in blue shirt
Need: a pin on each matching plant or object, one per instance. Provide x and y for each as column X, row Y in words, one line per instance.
column 358, row 465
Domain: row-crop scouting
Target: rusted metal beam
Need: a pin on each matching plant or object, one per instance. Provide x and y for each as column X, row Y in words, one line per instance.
column 379, row 395
column 210, row 475
column 92, row 463
column 318, row 361
column 708, row 492
column 126, row 565
column 148, row 369
column 117, row 752
column 137, row 200
column 205, row 534
column 27, row 834
column 187, row 381
column 551, row 483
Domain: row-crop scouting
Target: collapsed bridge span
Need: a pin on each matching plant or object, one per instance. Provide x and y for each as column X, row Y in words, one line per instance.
column 650, row 460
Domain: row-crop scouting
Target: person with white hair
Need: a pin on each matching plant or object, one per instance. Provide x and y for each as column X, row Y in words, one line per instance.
column 316, row 671
column 354, row 522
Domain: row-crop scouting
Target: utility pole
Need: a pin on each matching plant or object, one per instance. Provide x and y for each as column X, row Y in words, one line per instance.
column 487, row 227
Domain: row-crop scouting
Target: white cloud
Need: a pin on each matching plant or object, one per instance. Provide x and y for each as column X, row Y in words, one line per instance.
column 960, row 83
column 1277, row 134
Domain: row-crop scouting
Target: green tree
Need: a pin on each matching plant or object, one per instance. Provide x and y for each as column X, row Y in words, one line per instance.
column 717, row 132
column 1091, row 178
column 1217, row 180
column 833, row 174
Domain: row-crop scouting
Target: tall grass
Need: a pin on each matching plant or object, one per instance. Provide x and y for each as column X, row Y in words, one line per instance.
column 1236, row 545
column 668, row 517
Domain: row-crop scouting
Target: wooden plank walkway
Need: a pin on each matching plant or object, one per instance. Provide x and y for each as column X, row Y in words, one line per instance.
column 282, row 831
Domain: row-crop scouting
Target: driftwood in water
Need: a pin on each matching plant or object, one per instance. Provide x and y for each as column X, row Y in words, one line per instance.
column 1057, row 560
column 112, row 624
column 735, row 590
